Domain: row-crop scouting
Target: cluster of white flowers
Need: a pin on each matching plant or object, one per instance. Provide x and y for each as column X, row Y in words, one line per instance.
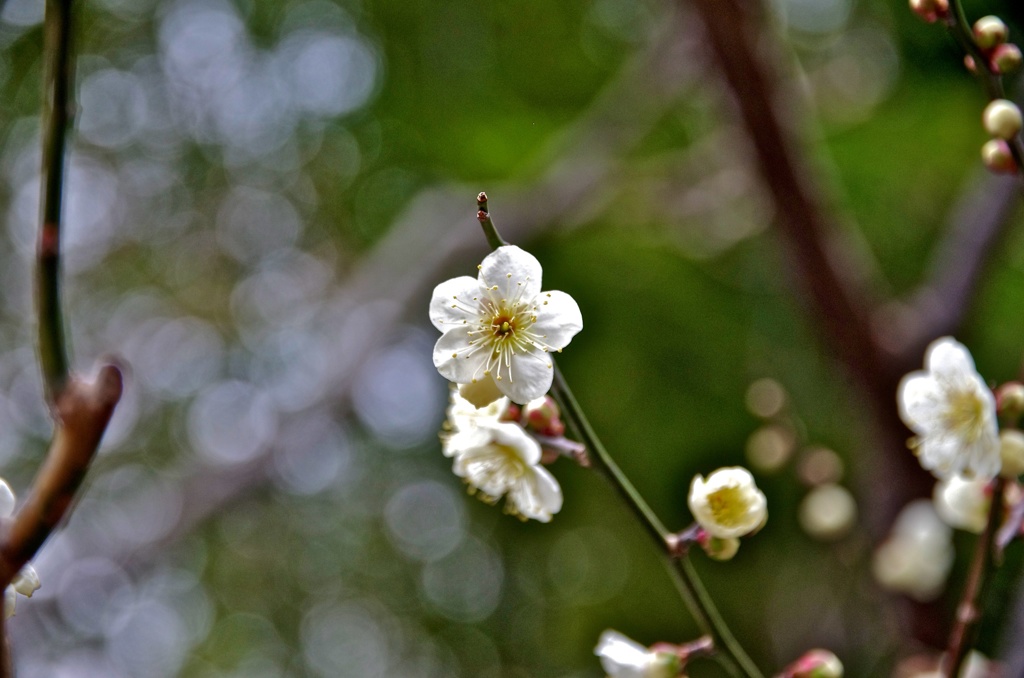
column 622, row 657
column 498, row 458
column 26, row 582
column 496, row 332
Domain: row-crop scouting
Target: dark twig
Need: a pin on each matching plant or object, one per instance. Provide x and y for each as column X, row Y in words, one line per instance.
column 971, row 608
column 81, row 409
column 53, row 353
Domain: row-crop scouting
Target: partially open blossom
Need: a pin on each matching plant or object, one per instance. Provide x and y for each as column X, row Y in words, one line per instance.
column 918, row 555
column 26, row 582
column 963, row 503
column 953, row 413
column 501, row 325
column 625, row 658
column 728, row 504
column 502, row 460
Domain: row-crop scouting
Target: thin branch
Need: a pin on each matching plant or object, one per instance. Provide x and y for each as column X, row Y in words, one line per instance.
column 83, row 411
column 971, row 608
column 53, row 353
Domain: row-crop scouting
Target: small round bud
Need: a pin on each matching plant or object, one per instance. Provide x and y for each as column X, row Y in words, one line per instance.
column 1011, row 451
column 997, row 157
column 815, row 664
column 542, row 416
column 1010, row 399
column 930, row 10
column 969, row 64
column 1002, row 119
column 720, row 549
column 1006, row 59
column 990, row 31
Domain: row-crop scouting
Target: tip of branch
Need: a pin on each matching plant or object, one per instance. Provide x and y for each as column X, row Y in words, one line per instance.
column 91, row 400
column 481, row 201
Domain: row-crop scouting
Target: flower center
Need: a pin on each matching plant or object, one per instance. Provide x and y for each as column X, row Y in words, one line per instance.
column 727, row 506
column 503, row 325
column 965, row 413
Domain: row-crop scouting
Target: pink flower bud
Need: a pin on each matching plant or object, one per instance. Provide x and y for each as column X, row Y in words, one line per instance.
column 815, row 664
column 997, row 157
column 930, row 10
column 542, row 416
column 1006, row 59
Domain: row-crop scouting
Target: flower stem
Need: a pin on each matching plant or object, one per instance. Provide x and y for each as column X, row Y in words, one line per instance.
column 53, row 353
column 729, row 652
column 971, row 607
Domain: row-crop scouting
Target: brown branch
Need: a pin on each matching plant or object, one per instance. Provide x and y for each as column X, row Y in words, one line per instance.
column 971, row 608
column 820, row 266
column 83, row 411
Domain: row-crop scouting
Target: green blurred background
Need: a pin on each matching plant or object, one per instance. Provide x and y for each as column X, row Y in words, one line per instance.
column 262, row 195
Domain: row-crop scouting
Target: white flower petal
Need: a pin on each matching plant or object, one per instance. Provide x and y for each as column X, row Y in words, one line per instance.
column 514, row 271
column 621, row 656
column 456, row 360
column 922, row 401
column 452, row 303
column 513, row 436
column 963, row 503
column 530, row 377
column 26, row 582
column 948, row 358
column 558, row 319
column 539, row 497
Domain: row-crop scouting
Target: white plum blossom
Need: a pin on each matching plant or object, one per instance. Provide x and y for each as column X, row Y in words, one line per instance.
column 26, row 581
column 952, row 412
column 501, row 325
column 622, row 657
column 963, row 503
column 918, row 555
column 467, row 423
column 728, row 504
column 502, row 460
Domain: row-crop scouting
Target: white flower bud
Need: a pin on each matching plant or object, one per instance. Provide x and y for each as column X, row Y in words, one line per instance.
column 728, row 504
column 1002, row 119
column 998, row 158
